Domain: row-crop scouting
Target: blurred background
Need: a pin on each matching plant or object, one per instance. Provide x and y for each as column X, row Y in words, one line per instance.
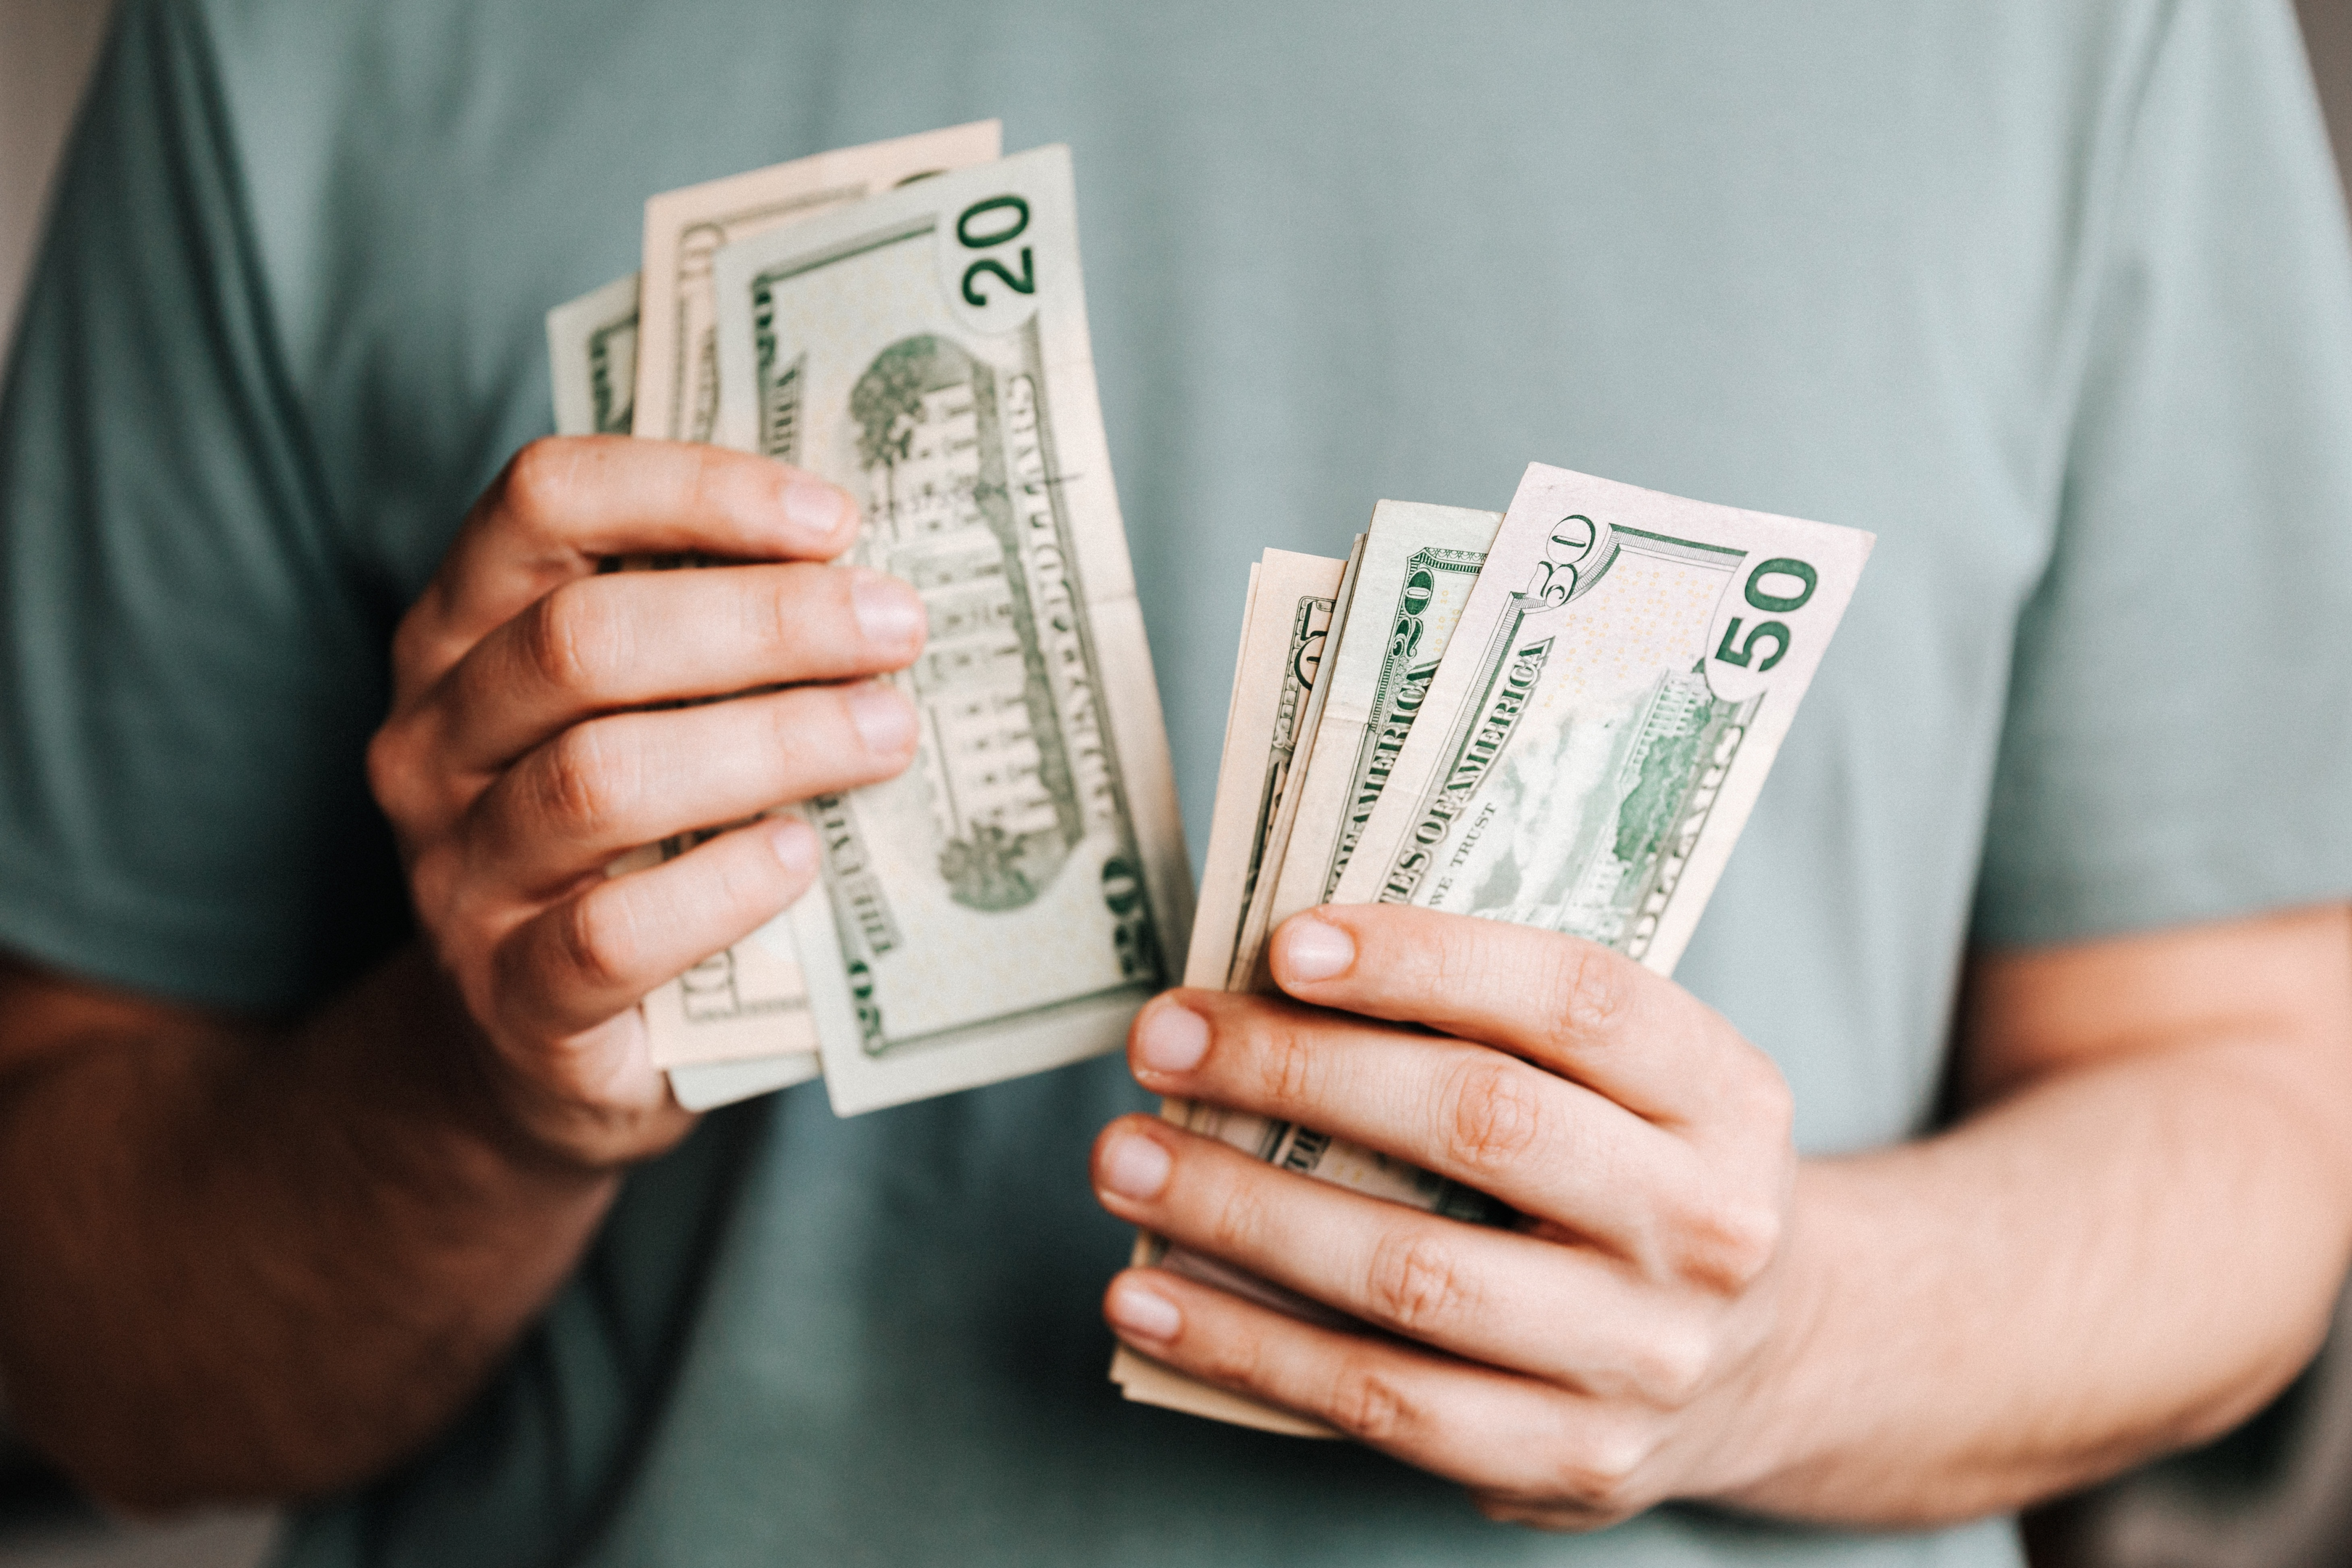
column 2276, row 1494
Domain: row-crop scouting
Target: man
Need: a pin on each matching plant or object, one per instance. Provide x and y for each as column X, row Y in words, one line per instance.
column 303, row 1203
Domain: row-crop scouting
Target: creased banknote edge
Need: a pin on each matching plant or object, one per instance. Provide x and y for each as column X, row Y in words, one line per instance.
column 1247, row 972
column 1200, row 956
column 1340, row 730
column 670, row 214
column 1144, row 1381
column 1101, row 573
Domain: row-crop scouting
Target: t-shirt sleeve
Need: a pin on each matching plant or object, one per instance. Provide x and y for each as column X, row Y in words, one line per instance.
column 188, row 669
column 2179, row 740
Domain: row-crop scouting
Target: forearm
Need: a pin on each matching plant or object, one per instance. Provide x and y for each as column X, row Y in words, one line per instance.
column 2113, row 1263
column 250, row 1265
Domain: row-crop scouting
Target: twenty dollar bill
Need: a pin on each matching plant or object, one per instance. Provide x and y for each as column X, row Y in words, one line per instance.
column 677, row 391
column 736, row 1024
column 1419, row 563
column 1007, row 903
column 591, row 358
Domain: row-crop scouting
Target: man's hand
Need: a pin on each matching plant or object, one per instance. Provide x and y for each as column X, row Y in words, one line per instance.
column 537, row 732
column 2130, row 1242
column 259, row 1259
column 1574, row 1371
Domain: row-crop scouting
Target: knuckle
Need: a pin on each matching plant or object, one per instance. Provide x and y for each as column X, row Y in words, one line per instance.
column 1729, row 1243
column 743, row 493
column 1452, row 965
column 415, row 796
column 1674, row 1364
column 1222, row 1360
column 1289, row 1064
column 434, row 883
column 708, row 474
column 1417, row 1284
column 1502, row 1507
column 583, row 784
column 601, row 939
column 1494, row 1114
column 779, row 616
column 1237, row 1225
column 1592, row 987
column 389, row 771
column 809, row 732
column 574, row 639
column 538, row 483
column 1602, row 1463
column 745, row 882
column 413, row 639
column 1366, row 1403
column 1237, row 1361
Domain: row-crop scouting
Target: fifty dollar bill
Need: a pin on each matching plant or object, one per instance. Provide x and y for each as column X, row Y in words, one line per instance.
column 1589, row 748
column 1293, row 742
column 1619, row 683
column 1292, row 619
column 1419, row 563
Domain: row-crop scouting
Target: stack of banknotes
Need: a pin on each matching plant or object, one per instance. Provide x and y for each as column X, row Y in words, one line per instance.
column 1559, row 716
column 908, row 319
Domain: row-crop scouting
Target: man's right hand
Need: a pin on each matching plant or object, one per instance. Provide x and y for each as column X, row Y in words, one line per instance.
column 536, row 734
column 386, row 1189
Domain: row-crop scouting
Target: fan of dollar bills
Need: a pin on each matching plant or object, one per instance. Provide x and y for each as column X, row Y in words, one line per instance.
column 907, row 320
column 1559, row 716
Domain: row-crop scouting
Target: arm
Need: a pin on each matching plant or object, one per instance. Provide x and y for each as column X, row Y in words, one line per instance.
column 252, row 1262
column 2140, row 1227
column 2130, row 1242
column 248, row 1260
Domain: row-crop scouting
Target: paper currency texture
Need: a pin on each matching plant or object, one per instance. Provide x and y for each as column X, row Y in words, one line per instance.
column 742, row 1010
column 1292, row 600
column 1419, row 563
column 1007, row 903
column 1618, row 684
column 1618, row 680
column 1288, row 626
column 677, row 391
column 591, row 352
column 1294, row 750
column 736, row 1024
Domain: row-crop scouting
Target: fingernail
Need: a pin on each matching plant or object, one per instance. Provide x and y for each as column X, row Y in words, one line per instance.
column 815, row 507
column 884, row 721
column 794, row 842
column 1145, row 1313
column 887, row 611
column 1172, row 1039
column 1311, row 949
column 1135, row 1166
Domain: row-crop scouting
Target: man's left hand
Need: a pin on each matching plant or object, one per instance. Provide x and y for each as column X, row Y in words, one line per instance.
column 1570, row 1372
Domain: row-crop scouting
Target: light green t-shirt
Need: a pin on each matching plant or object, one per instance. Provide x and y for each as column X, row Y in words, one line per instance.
column 2051, row 296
